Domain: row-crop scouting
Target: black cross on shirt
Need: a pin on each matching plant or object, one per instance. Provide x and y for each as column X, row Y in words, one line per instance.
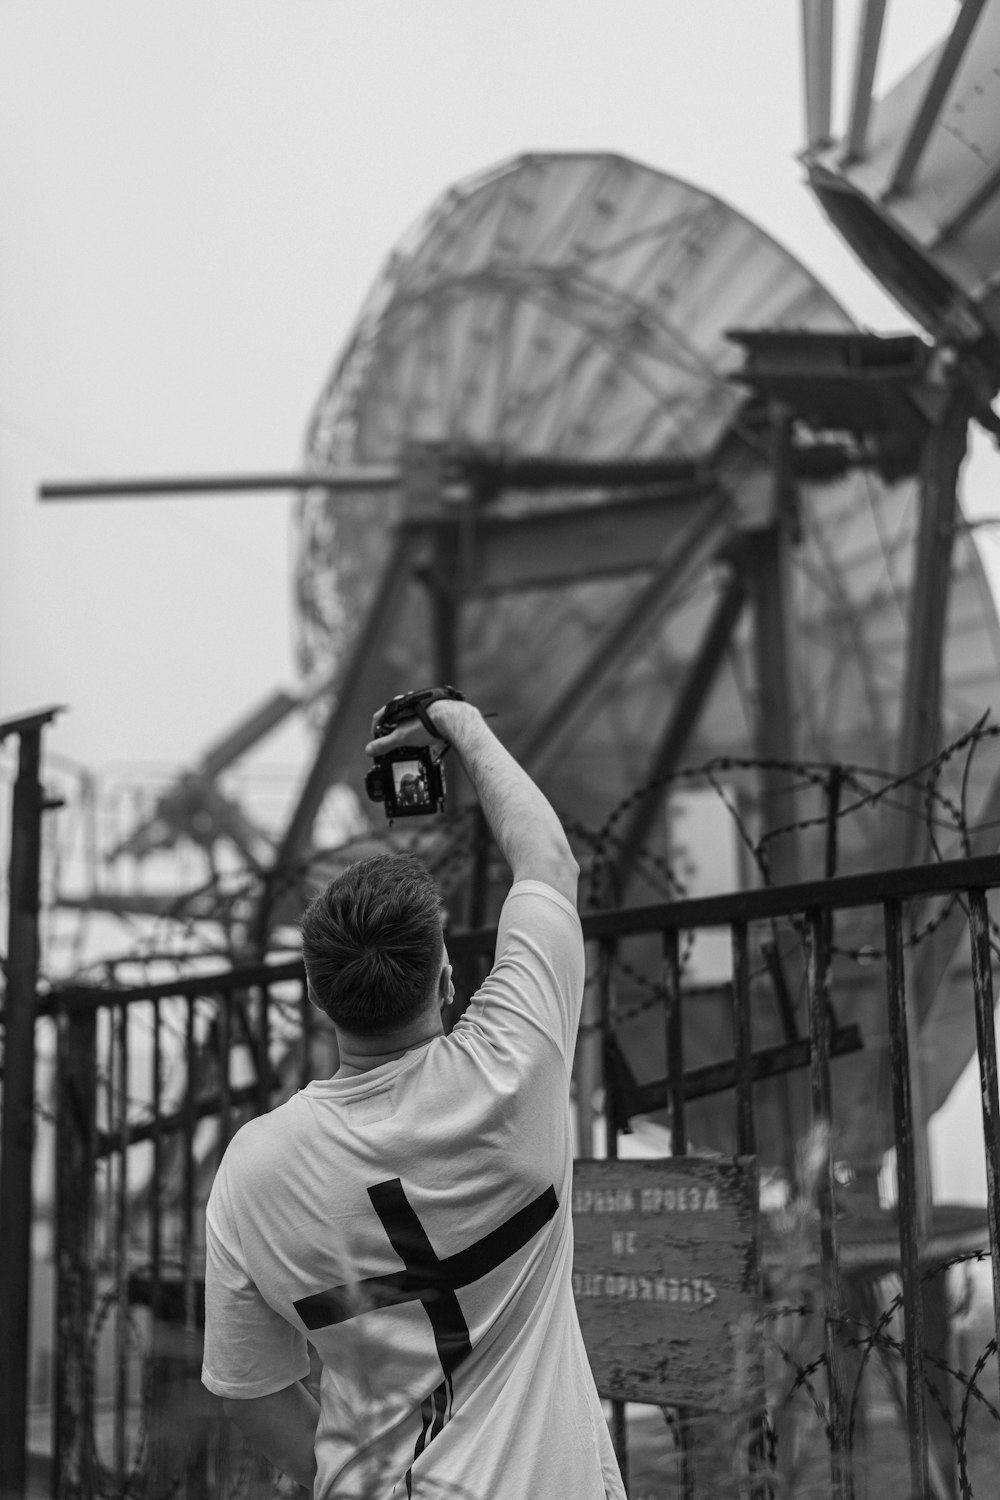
column 426, row 1277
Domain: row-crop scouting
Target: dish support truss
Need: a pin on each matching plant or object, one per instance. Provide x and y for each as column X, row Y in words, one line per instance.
column 453, row 552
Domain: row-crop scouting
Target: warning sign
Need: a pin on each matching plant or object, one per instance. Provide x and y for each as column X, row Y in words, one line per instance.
column 665, row 1267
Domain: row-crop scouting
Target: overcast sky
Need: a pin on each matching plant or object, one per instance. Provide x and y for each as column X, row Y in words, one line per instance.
column 196, row 198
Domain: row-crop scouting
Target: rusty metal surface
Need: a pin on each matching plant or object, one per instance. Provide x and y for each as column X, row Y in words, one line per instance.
column 18, row 1097
column 821, row 1145
column 909, row 1216
column 76, row 1124
column 982, row 977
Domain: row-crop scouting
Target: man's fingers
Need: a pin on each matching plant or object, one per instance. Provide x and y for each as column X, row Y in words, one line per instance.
column 410, row 732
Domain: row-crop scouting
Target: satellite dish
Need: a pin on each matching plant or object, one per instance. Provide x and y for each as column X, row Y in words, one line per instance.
column 913, row 185
column 563, row 311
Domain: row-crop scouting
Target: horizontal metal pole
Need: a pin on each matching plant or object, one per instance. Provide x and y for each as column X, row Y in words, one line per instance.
column 26, row 723
column 222, row 982
column 110, row 1141
column 368, row 477
column 541, row 473
column 713, row 1078
column 577, row 542
column 523, row 474
column 840, row 893
column 767, row 1062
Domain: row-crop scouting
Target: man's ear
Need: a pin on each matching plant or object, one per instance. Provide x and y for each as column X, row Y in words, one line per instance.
column 446, row 985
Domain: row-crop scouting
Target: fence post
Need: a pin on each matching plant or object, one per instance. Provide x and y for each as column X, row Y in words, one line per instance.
column 746, row 1134
column 822, row 1116
column 907, row 1197
column 18, row 1131
column 76, row 1131
column 675, row 1041
column 612, row 1121
column 678, row 1146
column 986, row 1045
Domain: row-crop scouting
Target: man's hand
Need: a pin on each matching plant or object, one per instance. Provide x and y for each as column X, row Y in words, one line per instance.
column 528, row 833
column 413, row 732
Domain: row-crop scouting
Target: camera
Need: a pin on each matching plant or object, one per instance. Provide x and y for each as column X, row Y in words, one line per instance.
column 408, row 780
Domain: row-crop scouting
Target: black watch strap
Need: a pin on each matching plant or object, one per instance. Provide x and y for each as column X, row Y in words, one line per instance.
column 415, row 706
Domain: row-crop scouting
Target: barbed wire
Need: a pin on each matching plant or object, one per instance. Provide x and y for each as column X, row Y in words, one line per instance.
column 224, row 901
column 238, row 1472
column 943, row 811
column 857, row 1333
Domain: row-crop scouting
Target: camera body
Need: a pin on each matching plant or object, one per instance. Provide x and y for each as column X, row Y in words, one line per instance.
column 408, row 781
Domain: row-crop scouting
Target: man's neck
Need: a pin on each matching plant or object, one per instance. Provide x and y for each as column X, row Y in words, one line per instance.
column 361, row 1053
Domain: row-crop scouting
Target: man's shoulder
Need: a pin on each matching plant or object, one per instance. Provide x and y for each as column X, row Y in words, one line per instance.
column 263, row 1141
column 537, row 916
column 547, row 894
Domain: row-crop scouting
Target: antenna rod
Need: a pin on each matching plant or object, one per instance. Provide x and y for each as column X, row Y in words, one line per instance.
column 817, row 44
column 368, row 477
column 865, row 63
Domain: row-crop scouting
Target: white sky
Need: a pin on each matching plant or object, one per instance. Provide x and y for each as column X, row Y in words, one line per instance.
column 196, row 198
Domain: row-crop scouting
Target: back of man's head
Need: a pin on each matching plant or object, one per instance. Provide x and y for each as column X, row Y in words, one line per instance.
column 371, row 941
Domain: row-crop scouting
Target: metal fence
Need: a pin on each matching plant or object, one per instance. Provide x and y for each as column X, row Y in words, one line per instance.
column 152, row 1082
column 855, row 1330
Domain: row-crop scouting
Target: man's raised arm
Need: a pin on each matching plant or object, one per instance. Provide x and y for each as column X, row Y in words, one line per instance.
column 528, row 833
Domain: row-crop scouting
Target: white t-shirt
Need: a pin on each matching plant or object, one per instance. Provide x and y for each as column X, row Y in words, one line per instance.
column 413, row 1224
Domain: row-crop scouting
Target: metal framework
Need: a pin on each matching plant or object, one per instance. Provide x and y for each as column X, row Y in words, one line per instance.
column 914, row 186
column 544, row 467
column 145, row 1252
column 603, row 453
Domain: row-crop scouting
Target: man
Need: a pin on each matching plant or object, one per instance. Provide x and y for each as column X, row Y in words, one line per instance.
column 410, row 1216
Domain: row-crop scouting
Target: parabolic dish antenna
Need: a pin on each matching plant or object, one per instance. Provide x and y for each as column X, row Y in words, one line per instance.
column 576, row 309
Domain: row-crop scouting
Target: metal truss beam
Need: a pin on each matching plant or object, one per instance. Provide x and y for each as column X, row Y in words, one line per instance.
column 912, row 150
column 564, row 546
column 368, row 678
column 919, row 726
column 695, row 691
column 865, row 62
column 817, row 45
column 965, row 212
column 919, row 740
column 491, row 475
column 774, row 731
column 716, row 1078
column 250, row 730
column 539, row 747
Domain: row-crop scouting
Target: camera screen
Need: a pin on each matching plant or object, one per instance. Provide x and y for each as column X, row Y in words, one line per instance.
column 409, row 781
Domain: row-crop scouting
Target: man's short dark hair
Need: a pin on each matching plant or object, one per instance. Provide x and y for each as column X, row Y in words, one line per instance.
column 371, row 941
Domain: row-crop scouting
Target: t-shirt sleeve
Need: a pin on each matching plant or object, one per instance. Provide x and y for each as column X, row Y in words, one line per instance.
column 250, row 1349
column 536, row 983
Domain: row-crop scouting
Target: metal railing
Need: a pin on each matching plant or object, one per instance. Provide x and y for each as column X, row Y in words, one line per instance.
column 152, row 1082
